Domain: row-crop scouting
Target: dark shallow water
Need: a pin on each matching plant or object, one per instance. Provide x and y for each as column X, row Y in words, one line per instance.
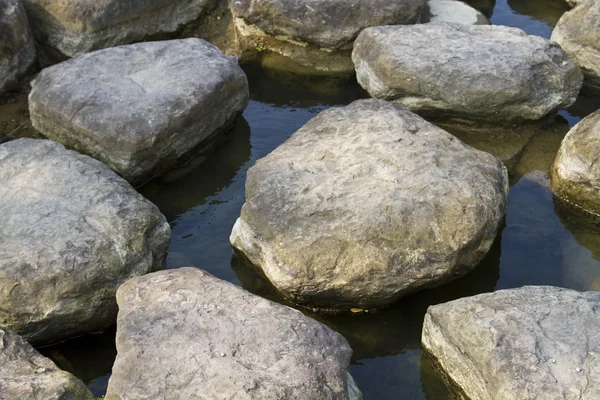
column 542, row 241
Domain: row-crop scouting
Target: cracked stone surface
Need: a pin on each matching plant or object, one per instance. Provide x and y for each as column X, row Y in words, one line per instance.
column 492, row 73
column 578, row 33
column 184, row 334
column 73, row 27
column 143, row 108
column 27, row 375
column 72, row 232
column 535, row 342
column 366, row 204
column 17, row 52
column 576, row 170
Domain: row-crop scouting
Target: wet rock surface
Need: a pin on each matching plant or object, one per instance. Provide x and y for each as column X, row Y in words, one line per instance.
column 27, row 375
column 17, row 50
column 216, row 340
column 491, row 73
column 367, row 203
column 73, row 27
column 576, row 171
column 141, row 109
column 71, row 231
column 578, row 33
column 531, row 342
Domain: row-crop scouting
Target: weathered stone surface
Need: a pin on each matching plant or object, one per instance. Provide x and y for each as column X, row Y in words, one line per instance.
column 27, row 375
column 576, row 171
column 73, row 27
column 527, row 343
column 184, row 334
column 17, row 50
column 71, row 231
column 142, row 108
column 367, row 203
column 316, row 34
column 578, row 33
column 331, row 24
column 452, row 11
column 492, row 73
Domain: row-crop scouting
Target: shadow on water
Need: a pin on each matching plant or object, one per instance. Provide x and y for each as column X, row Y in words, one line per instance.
column 88, row 357
column 389, row 339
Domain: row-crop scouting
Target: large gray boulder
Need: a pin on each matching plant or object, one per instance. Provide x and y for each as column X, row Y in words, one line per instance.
column 27, row 375
column 316, row 34
column 73, row 27
column 578, row 33
column 17, row 49
column 143, row 108
column 184, row 334
column 492, row 73
column 576, row 171
column 368, row 203
column 72, row 232
column 452, row 11
column 527, row 343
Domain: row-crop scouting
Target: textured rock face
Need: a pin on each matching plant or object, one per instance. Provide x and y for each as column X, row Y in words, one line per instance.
column 578, row 33
column 453, row 11
column 367, row 203
column 331, row 24
column 576, row 171
column 73, row 27
column 27, row 375
column 184, row 334
column 492, row 73
column 142, row 108
column 17, row 50
column 71, row 231
column 527, row 343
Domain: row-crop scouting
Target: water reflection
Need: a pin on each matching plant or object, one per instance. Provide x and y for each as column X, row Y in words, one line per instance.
column 534, row 17
column 485, row 6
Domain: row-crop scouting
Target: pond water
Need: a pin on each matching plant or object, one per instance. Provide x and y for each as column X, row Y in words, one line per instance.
column 542, row 242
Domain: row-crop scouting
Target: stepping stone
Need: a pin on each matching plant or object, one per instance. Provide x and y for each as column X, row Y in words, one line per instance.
column 492, row 73
column 27, row 375
column 143, row 108
column 535, row 342
column 72, row 232
column 184, row 334
column 366, row 204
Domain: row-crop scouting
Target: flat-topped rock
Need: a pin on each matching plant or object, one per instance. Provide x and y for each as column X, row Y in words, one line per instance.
column 578, row 33
column 73, row 27
column 454, row 11
column 366, row 204
column 27, row 375
column 184, row 334
column 17, row 52
column 143, row 108
column 527, row 343
column 576, row 171
column 72, row 231
column 492, row 73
